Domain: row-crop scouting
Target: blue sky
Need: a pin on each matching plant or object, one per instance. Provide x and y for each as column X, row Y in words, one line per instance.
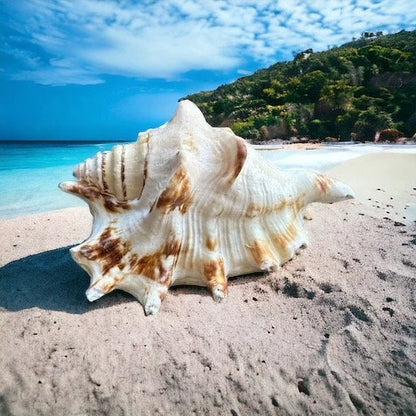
column 105, row 70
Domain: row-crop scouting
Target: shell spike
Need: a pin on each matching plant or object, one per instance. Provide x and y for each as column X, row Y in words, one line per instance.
column 152, row 304
column 186, row 111
column 93, row 294
column 317, row 187
column 68, row 186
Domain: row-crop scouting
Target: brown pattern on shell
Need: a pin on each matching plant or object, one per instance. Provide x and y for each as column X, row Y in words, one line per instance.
column 261, row 252
column 93, row 193
column 240, row 158
column 283, row 239
column 109, row 250
column 113, row 205
column 324, row 183
column 84, row 190
column 211, row 243
column 108, row 287
column 103, row 172
column 123, row 172
column 178, row 194
column 214, row 273
column 255, row 210
column 152, row 266
column 145, row 166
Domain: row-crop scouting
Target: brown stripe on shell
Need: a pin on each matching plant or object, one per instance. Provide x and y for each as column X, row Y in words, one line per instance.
column 123, row 172
column 144, row 172
column 240, row 158
column 145, row 167
column 255, row 210
column 93, row 194
column 88, row 192
column 152, row 206
column 323, row 182
column 261, row 252
column 178, row 193
column 283, row 240
column 214, row 273
column 103, row 173
column 111, row 204
column 109, row 250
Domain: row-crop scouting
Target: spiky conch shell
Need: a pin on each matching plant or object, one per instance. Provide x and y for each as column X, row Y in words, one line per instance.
column 189, row 204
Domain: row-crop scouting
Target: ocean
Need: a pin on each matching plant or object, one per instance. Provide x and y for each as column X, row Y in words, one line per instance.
column 30, row 171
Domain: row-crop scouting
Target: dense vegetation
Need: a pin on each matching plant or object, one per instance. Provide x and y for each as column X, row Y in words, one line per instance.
column 352, row 91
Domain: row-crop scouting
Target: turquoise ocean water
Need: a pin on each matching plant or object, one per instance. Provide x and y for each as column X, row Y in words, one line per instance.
column 30, row 171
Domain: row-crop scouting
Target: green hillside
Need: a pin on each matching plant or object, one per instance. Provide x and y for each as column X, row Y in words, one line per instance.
column 350, row 91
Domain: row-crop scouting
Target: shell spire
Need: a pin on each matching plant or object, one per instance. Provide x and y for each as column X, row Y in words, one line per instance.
column 187, row 112
column 189, row 204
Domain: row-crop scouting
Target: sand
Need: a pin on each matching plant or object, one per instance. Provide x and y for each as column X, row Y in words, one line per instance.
column 385, row 181
column 331, row 333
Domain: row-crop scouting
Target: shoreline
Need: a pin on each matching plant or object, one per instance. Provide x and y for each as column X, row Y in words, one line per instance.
column 405, row 147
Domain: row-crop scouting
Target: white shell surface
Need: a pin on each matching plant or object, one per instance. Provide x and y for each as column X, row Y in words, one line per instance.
column 189, row 204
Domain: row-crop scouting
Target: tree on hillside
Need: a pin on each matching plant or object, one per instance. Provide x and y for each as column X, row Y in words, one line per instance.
column 356, row 89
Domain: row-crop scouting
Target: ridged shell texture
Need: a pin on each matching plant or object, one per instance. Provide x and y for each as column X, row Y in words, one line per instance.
column 189, row 204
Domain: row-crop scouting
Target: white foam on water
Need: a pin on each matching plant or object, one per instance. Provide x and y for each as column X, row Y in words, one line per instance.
column 326, row 157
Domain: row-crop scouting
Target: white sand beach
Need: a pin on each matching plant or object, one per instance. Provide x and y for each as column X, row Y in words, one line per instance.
column 385, row 181
column 331, row 333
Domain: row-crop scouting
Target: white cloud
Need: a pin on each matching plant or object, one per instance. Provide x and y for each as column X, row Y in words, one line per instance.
column 58, row 76
column 80, row 42
column 243, row 72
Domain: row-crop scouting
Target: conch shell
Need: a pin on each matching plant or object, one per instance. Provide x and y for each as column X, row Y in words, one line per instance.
column 189, row 204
